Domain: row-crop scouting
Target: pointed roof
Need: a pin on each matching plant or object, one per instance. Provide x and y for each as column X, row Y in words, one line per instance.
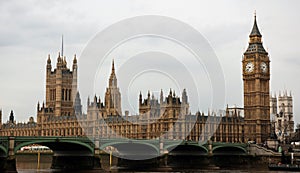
column 113, row 68
column 49, row 60
column 113, row 78
column 255, row 43
column 113, row 74
column 255, row 30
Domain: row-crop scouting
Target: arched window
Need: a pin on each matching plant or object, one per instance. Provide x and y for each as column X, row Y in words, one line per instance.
column 69, row 94
column 63, row 94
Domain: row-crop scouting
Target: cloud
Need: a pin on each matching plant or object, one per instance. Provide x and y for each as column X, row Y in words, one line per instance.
column 32, row 29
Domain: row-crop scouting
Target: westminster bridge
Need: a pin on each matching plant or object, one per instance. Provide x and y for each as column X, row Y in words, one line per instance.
column 84, row 152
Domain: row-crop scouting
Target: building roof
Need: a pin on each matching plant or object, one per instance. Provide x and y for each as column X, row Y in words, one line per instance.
column 255, row 30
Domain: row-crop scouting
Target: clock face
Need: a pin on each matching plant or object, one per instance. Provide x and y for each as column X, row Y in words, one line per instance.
column 264, row 67
column 249, row 67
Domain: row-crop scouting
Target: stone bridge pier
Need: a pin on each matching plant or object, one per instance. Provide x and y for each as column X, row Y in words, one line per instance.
column 8, row 158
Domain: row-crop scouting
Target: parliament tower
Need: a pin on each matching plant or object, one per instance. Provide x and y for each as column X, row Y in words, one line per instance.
column 256, row 77
column 61, row 89
column 113, row 95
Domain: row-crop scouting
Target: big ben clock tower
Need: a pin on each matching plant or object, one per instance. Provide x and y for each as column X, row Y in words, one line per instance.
column 256, row 77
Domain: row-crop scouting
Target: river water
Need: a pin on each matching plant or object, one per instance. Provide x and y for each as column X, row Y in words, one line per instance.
column 28, row 164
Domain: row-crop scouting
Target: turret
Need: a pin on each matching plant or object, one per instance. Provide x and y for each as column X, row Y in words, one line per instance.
column 184, row 97
column 49, row 67
column 74, row 73
column 59, row 62
column 11, row 117
column 95, row 99
column 64, row 62
column 140, row 98
column 38, row 106
column 161, row 96
column 148, row 98
column 75, row 63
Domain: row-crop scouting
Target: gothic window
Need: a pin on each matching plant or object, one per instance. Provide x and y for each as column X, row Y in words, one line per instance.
column 63, row 94
column 69, row 94
column 66, row 94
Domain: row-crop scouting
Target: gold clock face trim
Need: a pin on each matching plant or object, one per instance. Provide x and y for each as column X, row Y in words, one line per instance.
column 249, row 67
column 263, row 67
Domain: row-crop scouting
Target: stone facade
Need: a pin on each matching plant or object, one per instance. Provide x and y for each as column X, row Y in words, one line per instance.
column 281, row 109
column 167, row 117
column 256, row 77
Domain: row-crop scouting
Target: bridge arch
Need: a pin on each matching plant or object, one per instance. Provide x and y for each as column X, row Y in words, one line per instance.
column 229, row 150
column 173, row 146
column 3, row 151
column 133, row 150
column 115, row 143
column 186, row 149
column 54, row 144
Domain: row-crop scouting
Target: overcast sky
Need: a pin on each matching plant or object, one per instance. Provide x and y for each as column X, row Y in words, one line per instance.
column 30, row 30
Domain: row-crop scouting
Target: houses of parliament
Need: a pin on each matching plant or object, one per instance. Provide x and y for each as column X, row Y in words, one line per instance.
column 166, row 117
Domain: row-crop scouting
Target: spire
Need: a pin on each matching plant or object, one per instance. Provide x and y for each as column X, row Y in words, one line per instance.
column 255, row 43
column 49, row 64
column 11, row 117
column 75, row 64
column 113, row 78
column 95, row 99
column 38, row 106
column 49, row 59
column 113, row 67
column 255, row 30
column 59, row 58
column 161, row 96
column 62, row 45
column 75, row 59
